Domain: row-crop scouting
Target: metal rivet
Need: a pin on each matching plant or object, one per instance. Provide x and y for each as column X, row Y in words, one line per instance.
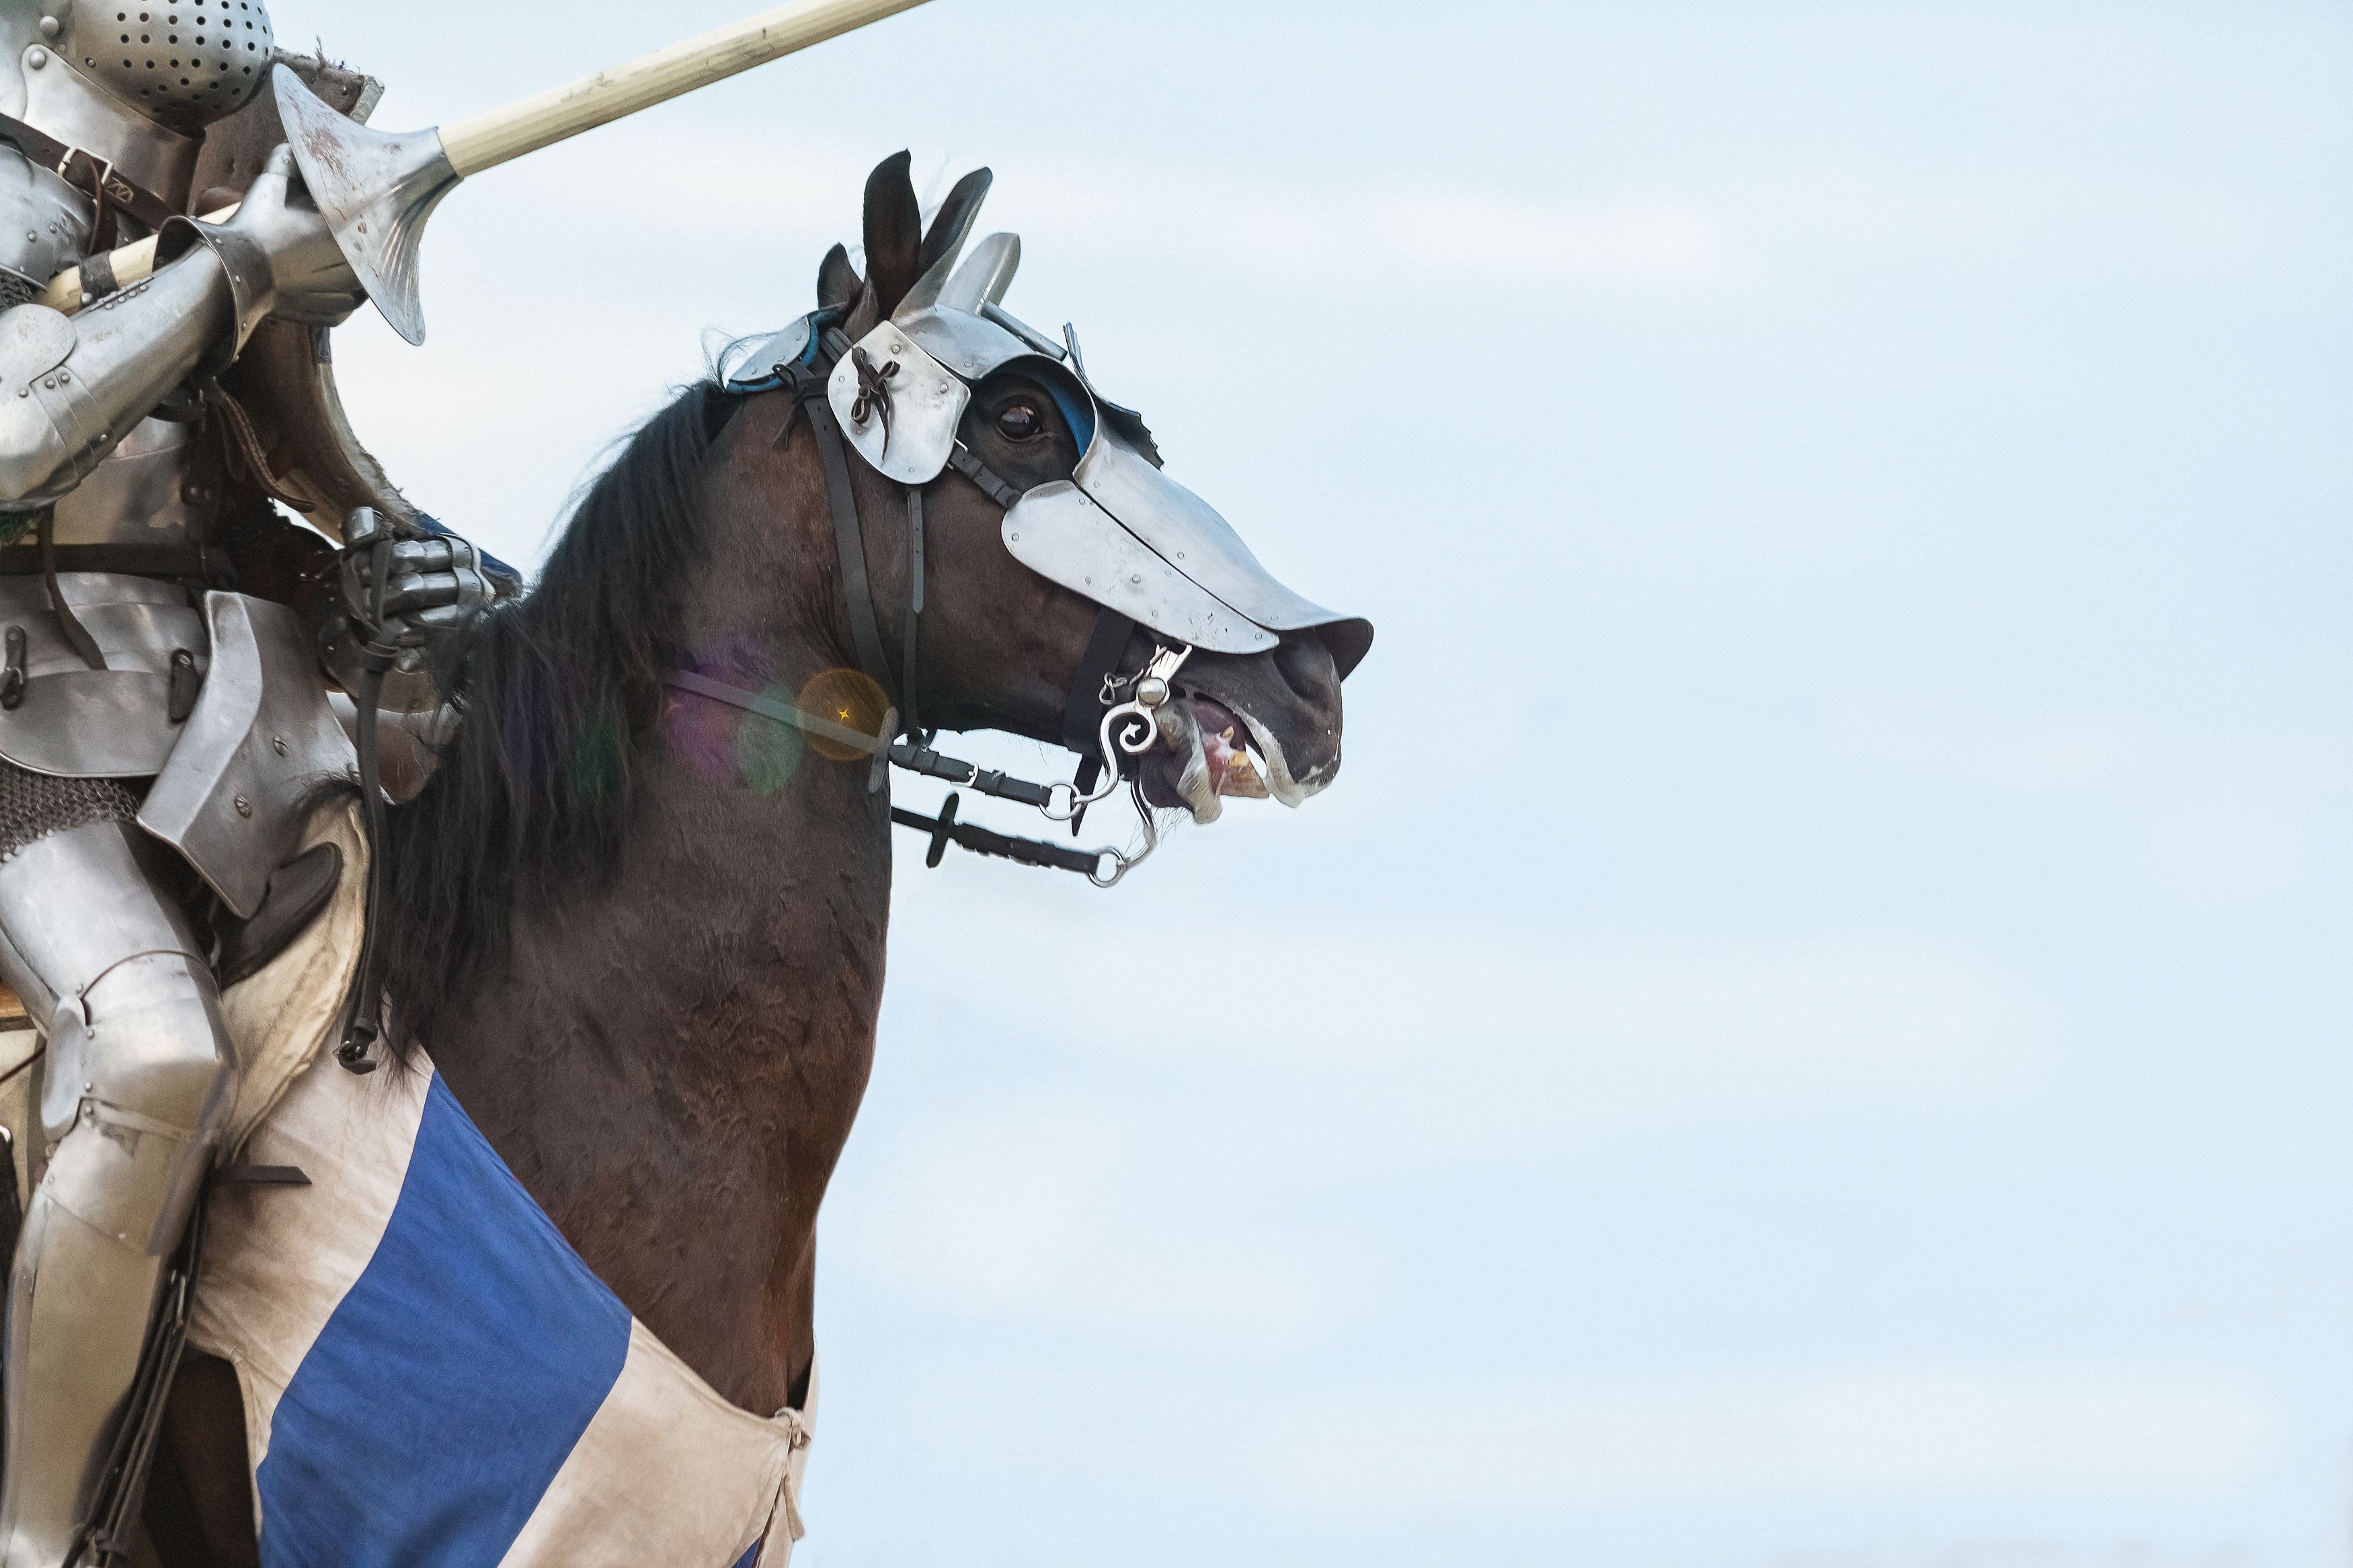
column 49, row 27
column 63, row 377
column 50, row 380
column 37, row 57
column 1136, row 576
column 244, row 806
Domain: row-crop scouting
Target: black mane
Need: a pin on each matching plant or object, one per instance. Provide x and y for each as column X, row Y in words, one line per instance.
column 558, row 690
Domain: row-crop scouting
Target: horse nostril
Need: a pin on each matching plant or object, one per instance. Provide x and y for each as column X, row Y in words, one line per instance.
column 1307, row 669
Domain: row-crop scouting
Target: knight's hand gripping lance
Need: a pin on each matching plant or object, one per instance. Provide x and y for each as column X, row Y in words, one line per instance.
column 377, row 191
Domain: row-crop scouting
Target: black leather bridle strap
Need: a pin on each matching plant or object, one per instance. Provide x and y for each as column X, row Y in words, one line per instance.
column 77, row 635
column 914, row 609
column 1082, row 705
column 849, row 540
column 962, row 461
column 782, row 712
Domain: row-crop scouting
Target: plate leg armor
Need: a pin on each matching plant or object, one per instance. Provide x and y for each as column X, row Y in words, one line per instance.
column 137, row 1085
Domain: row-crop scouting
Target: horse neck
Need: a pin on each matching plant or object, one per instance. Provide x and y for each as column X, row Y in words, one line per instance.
column 672, row 1060
column 750, row 860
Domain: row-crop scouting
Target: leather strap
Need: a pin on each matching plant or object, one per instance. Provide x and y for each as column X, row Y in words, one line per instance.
column 1082, row 705
column 782, row 712
column 945, row 830
column 363, row 1014
column 914, row 605
column 849, row 542
column 77, row 635
column 809, row 392
column 245, row 447
column 183, row 560
column 961, row 460
column 94, row 176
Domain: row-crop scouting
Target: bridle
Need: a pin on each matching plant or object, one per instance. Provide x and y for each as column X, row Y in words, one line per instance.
column 1108, row 716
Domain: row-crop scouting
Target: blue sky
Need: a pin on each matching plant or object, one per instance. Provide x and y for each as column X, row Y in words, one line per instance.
column 1811, row 1033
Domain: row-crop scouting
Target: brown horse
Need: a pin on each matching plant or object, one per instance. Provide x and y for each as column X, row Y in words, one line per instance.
column 642, row 934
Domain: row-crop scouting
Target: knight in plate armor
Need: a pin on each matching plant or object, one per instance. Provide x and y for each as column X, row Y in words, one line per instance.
column 161, row 737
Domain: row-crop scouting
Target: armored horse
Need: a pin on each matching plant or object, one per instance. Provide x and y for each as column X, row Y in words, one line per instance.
column 637, row 913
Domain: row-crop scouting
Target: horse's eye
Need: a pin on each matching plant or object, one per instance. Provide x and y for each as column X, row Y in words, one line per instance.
column 1020, row 422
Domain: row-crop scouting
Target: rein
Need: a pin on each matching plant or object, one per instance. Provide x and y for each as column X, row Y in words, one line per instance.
column 1103, row 868
column 1099, row 737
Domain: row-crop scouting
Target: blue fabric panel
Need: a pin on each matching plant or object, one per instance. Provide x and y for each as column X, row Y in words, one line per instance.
column 750, row 1559
column 452, row 1381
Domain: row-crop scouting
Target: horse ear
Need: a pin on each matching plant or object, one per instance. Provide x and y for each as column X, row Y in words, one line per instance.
column 837, row 282
column 894, row 231
column 954, row 221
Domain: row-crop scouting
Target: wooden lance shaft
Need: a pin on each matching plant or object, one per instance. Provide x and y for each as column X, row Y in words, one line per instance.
column 541, row 121
column 488, row 140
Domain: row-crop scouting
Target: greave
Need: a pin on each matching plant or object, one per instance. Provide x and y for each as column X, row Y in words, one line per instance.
column 138, row 1081
column 77, row 1313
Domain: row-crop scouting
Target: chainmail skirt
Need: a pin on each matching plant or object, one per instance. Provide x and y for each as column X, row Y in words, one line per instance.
column 33, row 806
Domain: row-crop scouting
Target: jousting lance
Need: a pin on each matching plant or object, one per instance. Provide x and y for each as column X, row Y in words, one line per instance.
column 377, row 191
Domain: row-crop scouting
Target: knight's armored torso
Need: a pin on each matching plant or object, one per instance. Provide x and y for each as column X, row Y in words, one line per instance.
column 143, row 704
column 113, row 491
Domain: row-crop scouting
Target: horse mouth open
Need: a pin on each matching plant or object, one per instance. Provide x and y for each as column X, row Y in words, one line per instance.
column 1262, row 726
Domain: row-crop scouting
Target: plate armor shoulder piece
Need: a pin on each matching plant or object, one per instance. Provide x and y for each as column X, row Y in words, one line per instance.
column 44, row 228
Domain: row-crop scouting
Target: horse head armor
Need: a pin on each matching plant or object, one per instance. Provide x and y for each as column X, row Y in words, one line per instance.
column 1119, row 530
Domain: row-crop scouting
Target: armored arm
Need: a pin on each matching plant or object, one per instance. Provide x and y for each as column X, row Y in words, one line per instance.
column 71, row 387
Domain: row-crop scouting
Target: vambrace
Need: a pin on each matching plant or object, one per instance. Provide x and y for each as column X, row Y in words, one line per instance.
column 72, row 387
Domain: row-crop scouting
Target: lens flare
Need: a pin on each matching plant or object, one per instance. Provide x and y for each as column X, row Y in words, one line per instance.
column 767, row 754
column 848, row 698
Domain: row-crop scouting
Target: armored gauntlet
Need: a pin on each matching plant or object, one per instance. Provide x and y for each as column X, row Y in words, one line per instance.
column 398, row 600
column 278, row 254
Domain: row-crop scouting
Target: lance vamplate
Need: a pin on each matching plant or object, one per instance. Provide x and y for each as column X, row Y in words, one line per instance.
column 377, row 191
